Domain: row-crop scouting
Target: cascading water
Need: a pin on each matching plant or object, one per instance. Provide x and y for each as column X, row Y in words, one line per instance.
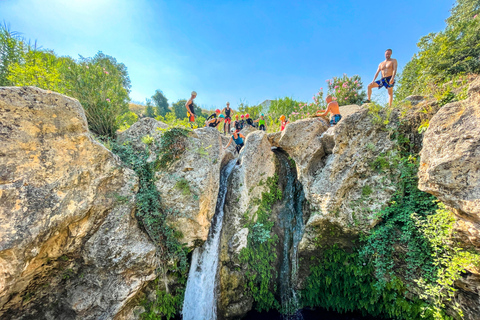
column 291, row 221
column 200, row 295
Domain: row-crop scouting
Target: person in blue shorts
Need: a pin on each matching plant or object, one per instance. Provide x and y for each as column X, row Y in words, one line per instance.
column 389, row 71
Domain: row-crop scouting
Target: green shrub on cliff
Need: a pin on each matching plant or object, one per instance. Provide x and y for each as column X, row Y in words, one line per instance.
column 260, row 254
column 446, row 55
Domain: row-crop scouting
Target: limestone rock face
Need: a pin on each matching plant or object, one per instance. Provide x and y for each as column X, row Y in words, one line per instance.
column 450, row 170
column 256, row 164
column 450, row 158
column 189, row 187
column 69, row 245
column 333, row 164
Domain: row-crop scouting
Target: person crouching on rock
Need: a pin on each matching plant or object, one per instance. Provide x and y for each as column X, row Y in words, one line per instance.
column 238, row 138
column 261, row 123
column 215, row 121
column 213, row 115
column 248, row 120
column 333, row 109
column 283, row 122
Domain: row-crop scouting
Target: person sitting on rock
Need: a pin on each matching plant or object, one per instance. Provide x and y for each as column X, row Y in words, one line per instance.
column 238, row 138
column 261, row 123
column 333, row 109
column 283, row 122
column 248, row 120
column 215, row 121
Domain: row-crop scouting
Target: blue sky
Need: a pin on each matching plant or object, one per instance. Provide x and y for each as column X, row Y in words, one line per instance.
column 233, row 51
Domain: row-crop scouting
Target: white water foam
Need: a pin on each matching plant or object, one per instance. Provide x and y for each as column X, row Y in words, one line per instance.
column 200, row 295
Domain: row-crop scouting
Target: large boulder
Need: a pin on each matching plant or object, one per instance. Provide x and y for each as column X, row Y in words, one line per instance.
column 450, row 158
column 69, row 245
column 246, row 183
column 189, row 186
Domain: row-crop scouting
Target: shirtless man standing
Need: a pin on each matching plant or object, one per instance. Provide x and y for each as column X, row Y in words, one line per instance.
column 333, row 108
column 389, row 70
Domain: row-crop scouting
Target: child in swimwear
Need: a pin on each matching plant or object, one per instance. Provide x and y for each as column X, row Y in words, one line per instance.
column 261, row 123
column 333, row 108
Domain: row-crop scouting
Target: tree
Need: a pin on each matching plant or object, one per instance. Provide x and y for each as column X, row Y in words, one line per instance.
column 149, row 111
column 11, row 49
column 445, row 56
column 180, row 110
column 346, row 90
column 161, row 102
column 102, row 86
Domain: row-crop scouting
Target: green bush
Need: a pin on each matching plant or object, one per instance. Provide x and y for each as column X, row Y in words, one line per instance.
column 446, row 55
column 344, row 282
column 347, row 90
column 260, row 254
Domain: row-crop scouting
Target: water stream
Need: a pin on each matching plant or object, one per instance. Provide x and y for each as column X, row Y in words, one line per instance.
column 291, row 222
column 201, row 293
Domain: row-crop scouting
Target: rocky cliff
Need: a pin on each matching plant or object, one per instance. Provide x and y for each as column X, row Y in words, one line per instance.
column 71, row 248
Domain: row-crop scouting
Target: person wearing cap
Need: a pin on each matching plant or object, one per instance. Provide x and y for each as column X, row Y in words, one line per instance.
column 261, row 123
column 228, row 117
column 238, row 138
column 248, row 120
column 191, row 109
column 283, row 122
column 213, row 122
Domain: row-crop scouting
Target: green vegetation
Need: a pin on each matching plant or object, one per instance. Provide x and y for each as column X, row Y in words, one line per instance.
column 172, row 146
column 171, row 254
column 347, row 90
column 446, row 57
column 166, row 305
column 260, row 254
column 343, row 282
column 161, row 103
column 126, row 120
column 183, row 185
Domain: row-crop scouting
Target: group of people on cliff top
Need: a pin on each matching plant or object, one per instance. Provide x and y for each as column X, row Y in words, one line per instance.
column 388, row 68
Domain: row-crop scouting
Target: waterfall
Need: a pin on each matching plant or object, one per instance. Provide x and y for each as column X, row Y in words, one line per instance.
column 291, row 221
column 200, row 295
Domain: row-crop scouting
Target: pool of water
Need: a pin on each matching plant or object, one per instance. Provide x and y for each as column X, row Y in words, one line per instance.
column 310, row 314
